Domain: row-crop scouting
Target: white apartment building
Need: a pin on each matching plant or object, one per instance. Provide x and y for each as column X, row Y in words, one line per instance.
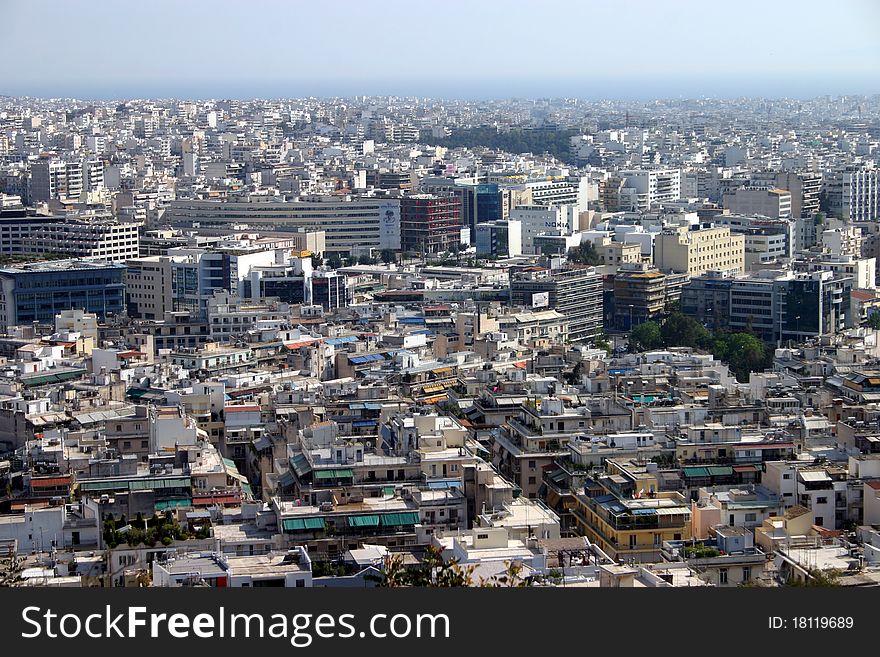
column 854, row 193
column 862, row 270
column 561, row 192
column 53, row 179
column 842, row 240
column 348, row 222
column 537, row 220
column 644, row 188
column 79, row 237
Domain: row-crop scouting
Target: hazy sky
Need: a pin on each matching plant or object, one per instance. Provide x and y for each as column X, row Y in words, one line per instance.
column 453, row 48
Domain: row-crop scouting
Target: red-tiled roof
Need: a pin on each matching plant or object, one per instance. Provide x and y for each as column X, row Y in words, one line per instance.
column 216, row 499
column 50, row 482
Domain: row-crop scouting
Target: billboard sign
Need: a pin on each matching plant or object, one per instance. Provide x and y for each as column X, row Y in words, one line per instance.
column 389, row 225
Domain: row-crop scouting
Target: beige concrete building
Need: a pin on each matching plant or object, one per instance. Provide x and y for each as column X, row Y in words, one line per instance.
column 767, row 201
column 619, row 253
column 148, row 287
column 695, row 252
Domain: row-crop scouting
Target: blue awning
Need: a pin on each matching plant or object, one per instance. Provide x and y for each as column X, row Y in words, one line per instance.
column 444, row 484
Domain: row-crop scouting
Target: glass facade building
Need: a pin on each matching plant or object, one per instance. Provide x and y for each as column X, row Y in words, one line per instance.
column 37, row 292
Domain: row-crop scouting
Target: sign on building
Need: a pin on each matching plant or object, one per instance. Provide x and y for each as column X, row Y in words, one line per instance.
column 389, row 225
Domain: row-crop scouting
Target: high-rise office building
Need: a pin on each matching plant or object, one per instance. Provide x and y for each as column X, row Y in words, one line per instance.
column 430, row 223
column 574, row 290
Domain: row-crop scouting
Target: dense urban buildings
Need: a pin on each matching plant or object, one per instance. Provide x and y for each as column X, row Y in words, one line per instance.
column 287, row 342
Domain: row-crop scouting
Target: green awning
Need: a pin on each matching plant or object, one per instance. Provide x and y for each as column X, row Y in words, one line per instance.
column 287, row 479
column 301, row 524
column 103, row 485
column 54, row 377
column 150, row 483
column 247, row 490
column 300, row 464
column 557, row 476
column 334, row 474
column 400, row 519
column 388, row 490
column 363, row 521
column 143, row 483
column 695, row 472
column 720, row 471
column 173, row 504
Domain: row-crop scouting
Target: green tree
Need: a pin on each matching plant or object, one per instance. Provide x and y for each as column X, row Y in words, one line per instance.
column 645, row 336
column 388, row 256
column 435, row 572
column 317, row 261
column 817, row 577
column 510, row 578
column 679, row 330
column 744, row 353
column 601, row 342
column 584, row 254
column 873, row 321
column 334, row 261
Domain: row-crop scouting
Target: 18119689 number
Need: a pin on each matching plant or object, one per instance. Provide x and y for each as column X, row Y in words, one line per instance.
column 811, row 623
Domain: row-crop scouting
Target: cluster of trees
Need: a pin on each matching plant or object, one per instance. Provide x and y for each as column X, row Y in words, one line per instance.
column 162, row 528
column 335, row 261
column 817, row 578
column 10, row 571
column 436, row 572
column 743, row 352
column 584, row 254
column 17, row 259
column 555, row 142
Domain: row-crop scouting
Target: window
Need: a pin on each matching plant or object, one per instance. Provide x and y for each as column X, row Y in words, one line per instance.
column 820, row 521
column 722, row 575
column 751, row 517
column 747, row 573
column 532, row 464
column 532, row 481
column 821, row 500
column 786, row 476
column 632, row 541
column 300, row 583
